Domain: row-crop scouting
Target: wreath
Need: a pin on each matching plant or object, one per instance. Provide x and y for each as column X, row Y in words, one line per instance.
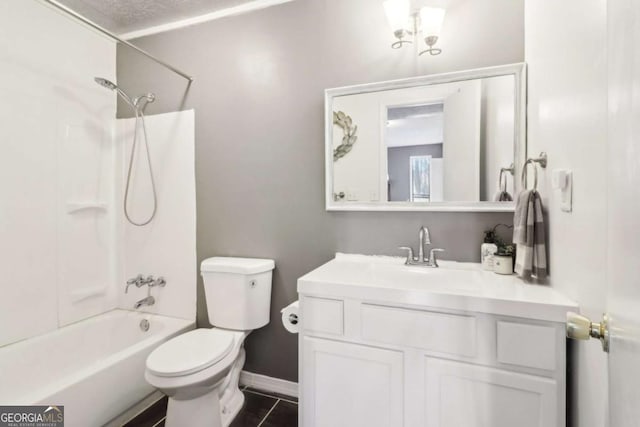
column 349, row 138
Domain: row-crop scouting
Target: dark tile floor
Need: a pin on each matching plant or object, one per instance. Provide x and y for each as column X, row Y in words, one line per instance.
column 261, row 409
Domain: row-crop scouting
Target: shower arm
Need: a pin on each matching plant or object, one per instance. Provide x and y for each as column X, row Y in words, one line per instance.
column 112, row 36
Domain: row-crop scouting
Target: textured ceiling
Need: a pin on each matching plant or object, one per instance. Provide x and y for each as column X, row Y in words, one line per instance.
column 123, row 16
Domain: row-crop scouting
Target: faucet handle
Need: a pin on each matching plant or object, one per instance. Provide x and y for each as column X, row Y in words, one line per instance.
column 135, row 280
column 160, row 281
column 433, row 260
column 138, row 281
column 409, row 253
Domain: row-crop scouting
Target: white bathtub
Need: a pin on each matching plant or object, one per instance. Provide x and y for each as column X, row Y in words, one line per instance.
column 95, row 368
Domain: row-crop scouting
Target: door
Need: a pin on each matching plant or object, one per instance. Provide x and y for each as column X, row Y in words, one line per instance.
column 350, row 385
column 623, row 267
column 461, row 146
column 460, row 394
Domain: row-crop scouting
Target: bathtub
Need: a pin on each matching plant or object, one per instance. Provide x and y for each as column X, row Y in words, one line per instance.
column 95, row 367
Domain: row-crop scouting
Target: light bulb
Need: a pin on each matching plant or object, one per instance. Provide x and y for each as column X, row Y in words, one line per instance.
column 397, row 13
column 431, row 19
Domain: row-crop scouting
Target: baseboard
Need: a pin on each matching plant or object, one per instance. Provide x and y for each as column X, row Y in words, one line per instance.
column 135, row 410
column 265, row 383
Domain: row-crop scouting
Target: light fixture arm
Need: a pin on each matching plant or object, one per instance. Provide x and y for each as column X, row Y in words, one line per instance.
column 427, row 20
column 402, row 33
column 431, row 41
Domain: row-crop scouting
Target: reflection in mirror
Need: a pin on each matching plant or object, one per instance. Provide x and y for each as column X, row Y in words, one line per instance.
column 447, row 142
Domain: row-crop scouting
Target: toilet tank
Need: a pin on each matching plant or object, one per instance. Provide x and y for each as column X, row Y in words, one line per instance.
column 237, row 291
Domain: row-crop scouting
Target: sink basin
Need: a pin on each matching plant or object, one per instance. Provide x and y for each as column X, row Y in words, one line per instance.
column 454, row 285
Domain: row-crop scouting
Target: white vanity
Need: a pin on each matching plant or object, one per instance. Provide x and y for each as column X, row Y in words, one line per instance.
column 385, row 344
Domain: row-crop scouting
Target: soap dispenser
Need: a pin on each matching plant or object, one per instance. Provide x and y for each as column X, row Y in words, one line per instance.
column 487, row 250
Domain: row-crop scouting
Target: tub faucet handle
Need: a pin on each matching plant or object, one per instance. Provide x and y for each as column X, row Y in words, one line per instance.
column 135, row 280
column 138, row 281
column 160, row 281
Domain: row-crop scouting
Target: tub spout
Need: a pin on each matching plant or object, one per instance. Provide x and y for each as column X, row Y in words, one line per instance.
column 144, row 301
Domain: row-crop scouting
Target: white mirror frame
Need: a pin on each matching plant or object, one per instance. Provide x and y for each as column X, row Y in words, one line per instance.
column 519, row 71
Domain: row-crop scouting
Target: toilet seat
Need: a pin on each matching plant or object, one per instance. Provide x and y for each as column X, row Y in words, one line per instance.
column 191, row 352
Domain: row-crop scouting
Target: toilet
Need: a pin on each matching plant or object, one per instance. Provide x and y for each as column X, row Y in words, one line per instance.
column 200, row 370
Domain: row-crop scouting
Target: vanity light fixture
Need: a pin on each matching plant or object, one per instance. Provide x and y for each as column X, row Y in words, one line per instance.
column 427, row 23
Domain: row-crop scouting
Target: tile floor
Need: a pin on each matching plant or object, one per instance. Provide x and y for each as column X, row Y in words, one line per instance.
column 261, row 409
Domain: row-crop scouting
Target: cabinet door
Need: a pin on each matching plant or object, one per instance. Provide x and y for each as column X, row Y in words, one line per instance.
column 350, row 385
column 459, row 394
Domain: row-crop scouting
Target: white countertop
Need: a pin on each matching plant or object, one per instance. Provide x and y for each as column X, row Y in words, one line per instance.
column 456, row 286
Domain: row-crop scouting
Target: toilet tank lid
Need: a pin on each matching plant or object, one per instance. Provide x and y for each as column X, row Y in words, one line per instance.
column 236, row 265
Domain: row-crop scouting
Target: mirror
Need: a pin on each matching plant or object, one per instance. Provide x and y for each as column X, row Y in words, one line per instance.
column 452, row 142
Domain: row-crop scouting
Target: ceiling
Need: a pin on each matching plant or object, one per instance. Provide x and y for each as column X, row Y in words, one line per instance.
column 124, row 16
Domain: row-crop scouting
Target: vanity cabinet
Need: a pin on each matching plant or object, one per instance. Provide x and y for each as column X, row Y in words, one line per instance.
column 375, row 365
column 387, row 355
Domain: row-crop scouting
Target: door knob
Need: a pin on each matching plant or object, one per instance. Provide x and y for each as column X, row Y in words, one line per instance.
column 581, row 328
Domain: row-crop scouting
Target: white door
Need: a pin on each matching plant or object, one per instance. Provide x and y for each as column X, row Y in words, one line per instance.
column 461, row 146
column 623, row 267
column 464, row 395
column 350, row 385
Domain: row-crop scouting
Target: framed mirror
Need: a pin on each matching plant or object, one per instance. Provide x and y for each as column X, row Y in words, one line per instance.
column 446, row 142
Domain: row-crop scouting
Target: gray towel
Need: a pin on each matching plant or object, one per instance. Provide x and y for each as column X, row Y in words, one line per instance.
column 502, row 196
column 528, row 235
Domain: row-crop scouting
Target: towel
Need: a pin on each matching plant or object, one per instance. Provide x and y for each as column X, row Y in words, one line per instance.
column 502, row 196
column 528, row 235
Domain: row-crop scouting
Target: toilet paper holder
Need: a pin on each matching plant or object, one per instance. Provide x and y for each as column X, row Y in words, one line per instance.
column 293, row 318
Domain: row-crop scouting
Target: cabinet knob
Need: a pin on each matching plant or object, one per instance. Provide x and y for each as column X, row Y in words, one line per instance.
column 582, row 328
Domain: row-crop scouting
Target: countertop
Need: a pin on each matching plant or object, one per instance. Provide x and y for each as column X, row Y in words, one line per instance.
column 455, row 286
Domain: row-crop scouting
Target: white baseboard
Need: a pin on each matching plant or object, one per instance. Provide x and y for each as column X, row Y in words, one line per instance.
column 135, row 410
column 265, row 383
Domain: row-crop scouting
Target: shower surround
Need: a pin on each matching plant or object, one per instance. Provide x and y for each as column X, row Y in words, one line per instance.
column 67, row 250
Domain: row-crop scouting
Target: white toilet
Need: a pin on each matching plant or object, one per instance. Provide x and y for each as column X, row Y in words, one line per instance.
column 200, row 370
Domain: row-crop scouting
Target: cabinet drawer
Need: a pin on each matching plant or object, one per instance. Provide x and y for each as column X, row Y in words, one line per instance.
column 323, row 315
column 532, row 346
column 427, row 330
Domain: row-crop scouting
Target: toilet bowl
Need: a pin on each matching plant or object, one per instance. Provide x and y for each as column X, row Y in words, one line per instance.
column 200, row 370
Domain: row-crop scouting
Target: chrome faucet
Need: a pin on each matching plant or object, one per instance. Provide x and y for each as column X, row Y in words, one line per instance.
column 151, row 282
column 144, row 301
column 424, row 239
column 138, row 281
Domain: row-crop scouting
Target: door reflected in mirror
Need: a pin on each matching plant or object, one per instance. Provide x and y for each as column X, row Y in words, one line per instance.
column 426, row 144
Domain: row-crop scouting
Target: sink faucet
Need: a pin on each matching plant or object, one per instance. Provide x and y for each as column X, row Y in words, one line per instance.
column 424, row 239
column 144, row 301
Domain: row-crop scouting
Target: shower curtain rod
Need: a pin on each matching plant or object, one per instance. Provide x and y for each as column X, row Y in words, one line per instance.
column 112, row 36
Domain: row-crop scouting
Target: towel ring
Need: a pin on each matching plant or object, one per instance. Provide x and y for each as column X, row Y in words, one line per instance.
column 511, row 170
column 542, row 161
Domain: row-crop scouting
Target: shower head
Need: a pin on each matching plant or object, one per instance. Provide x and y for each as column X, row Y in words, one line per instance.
column 135, row 103
column 106, row 83
column 112, row 86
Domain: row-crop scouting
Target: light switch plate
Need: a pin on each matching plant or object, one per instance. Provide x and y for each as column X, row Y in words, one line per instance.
column 562, row 180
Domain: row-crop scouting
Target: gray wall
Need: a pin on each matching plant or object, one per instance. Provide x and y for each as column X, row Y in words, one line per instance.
column 258, row 97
